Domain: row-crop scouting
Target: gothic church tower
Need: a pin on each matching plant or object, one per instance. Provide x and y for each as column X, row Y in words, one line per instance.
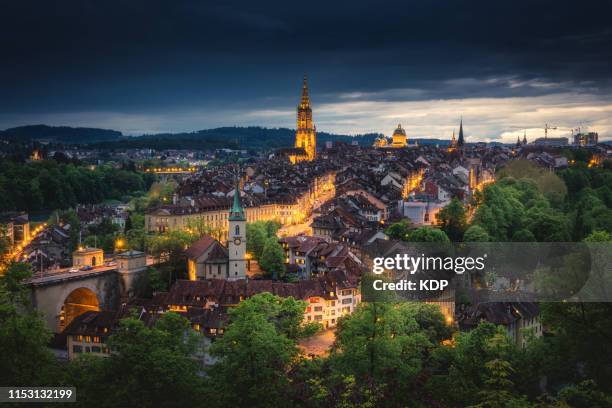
column 236, row 242
column 305, row 136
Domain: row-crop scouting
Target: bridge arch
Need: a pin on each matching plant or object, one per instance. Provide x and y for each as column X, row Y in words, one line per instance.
column 74, row 302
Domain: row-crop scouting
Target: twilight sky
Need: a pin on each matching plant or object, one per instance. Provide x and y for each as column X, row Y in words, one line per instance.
column 144, row 66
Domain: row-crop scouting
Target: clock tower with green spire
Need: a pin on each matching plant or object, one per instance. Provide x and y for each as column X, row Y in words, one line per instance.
column 236, row 243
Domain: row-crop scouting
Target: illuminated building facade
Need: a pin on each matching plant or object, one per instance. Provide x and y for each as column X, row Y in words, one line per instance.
column 213, row 211
column 399, row 137
column 305, row 135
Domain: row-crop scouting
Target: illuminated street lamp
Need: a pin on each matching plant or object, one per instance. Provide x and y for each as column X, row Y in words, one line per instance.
column 248, row 258
column 119, row 244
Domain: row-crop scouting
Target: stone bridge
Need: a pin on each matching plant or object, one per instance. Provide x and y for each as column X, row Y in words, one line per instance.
column 63, row 295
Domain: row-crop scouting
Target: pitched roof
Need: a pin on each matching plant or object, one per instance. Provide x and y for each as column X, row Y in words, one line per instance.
column 200, row 246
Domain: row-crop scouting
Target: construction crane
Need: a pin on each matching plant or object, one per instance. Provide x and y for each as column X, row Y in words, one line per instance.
column 547, row 128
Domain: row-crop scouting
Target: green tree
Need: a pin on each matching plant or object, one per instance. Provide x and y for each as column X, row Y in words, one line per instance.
column 254, row 355
column 256, row 236
column 453, row 220
column 499, row 389
column 273, row 258
column 460, row 371
column 584, row 395
column 381, row 345
column 599, row 236
column 427, row 234
column 476, row 234
column 583, row 332
column 156, row 282
column 430, row 319
column 25, row 359
column 169, row 249
column 154, row 367
column 500, row 212
column 272, row 227
column 399, row 230
column 523, row 235
column 258, row 233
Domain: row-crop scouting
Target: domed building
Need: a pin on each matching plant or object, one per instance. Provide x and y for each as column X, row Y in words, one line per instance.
column 399, row 137
column 381, row 141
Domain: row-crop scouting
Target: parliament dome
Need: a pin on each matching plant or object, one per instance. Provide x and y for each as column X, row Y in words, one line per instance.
column 399, row 137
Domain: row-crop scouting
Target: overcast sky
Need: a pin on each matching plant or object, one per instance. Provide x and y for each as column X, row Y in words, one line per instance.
column 168, row 66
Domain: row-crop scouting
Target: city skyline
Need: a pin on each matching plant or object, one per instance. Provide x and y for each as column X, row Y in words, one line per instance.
column 505, row 68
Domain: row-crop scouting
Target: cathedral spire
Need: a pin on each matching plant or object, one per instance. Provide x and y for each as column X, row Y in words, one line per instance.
column 461, row 139
column 525, row 138
column 305, row 134
column 305, row 103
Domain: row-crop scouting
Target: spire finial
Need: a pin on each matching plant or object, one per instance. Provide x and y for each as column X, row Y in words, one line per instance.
column 305, row 98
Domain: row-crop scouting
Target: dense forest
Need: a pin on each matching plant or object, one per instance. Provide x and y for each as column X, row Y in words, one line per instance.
column 49, row 184
column 63, row 134
column 252, row 137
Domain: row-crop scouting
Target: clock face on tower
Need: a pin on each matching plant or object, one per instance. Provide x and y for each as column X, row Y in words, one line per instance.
column 237, row 241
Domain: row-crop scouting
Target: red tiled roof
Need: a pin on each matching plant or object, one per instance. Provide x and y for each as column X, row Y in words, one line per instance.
column 201, row 245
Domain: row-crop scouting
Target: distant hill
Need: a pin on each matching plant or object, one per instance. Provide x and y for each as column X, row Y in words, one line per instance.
column 64, row 134
column 252, row 137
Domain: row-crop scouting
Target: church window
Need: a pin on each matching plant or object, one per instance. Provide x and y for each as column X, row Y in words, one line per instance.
column 237, row 229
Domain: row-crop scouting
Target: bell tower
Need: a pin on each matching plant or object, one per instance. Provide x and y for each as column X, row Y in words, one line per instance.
column 305, row 135
column 236, row 242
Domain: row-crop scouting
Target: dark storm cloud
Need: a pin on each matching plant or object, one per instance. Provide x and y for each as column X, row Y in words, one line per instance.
column 161, row 56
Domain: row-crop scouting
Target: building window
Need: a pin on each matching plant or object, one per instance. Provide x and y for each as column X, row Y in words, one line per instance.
column 318, row 308
column 77, row 349
column 237, row 230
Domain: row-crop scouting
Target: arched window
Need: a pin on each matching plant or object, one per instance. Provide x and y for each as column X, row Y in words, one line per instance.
column 237, row 230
